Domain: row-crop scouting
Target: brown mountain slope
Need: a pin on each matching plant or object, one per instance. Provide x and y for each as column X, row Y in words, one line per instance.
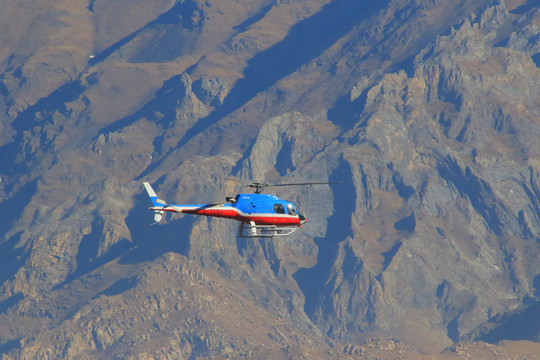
column 426, row 112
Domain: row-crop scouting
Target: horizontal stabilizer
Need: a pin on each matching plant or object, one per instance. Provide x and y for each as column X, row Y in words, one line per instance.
column 158, row 215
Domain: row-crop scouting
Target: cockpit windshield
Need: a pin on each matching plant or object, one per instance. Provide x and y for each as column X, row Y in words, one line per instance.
column 290, row 209
column 301, row 215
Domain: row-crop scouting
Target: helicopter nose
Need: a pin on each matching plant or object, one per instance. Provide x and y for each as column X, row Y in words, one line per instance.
column 301, row 216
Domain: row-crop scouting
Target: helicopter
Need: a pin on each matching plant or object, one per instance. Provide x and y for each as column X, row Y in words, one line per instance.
column 260, row 215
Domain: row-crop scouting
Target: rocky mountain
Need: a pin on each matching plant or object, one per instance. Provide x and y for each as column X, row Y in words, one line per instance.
column 427, row 112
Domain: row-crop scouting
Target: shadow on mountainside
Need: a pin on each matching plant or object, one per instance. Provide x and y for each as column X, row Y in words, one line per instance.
column 178, row 33
column 165, row 101
column 150, row 242
column 12, row 208
column 304, row 42
column 483, row 199
column 27, row 120
column 523, row 325
column 528, row 6
column 12, row 255
column 254, row 19
column 312, row 281
column 12, row 258
column 147, row 242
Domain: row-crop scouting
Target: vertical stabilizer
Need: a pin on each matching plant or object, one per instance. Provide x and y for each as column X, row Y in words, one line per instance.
column 156, row 201
column 153, row 196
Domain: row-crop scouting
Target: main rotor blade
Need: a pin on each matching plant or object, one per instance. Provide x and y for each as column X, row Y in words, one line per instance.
column 259, row 187
column 307, row 183
column 263, row 185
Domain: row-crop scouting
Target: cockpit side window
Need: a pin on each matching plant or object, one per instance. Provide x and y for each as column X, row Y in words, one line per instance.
column 290, row 209
column 279, row 209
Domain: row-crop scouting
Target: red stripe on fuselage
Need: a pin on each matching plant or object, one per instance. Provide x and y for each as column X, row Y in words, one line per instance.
column 229, row 213
column 234, row 214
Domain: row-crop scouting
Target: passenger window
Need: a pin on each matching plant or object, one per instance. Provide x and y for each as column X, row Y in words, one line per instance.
column 290, row 209
column 279, row 209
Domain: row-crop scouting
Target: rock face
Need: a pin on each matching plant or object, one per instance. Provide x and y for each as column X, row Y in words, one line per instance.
column 441, row 186
column 427, row 113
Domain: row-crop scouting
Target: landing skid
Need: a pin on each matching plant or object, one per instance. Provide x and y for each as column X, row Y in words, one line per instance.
column 251, row 230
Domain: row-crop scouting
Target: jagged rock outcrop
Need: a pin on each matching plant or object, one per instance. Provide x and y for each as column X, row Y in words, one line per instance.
column 211, row 91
